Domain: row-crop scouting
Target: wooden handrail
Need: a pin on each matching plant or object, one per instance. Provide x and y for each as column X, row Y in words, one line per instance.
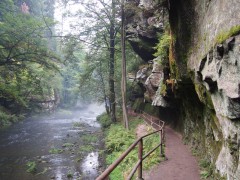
column 139, row 141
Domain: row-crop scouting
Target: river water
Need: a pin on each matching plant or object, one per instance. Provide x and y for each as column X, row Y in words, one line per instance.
column 64, row 145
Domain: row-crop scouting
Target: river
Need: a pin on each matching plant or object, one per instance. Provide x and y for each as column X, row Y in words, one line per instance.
column 64, row 145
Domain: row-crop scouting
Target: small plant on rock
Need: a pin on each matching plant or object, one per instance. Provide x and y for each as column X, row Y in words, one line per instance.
column 31, row 167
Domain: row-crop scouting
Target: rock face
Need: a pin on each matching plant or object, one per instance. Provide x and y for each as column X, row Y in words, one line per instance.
column 144, row 20
column 219, row 73
column 152, row 79
column 48, row 103
column 206, row 56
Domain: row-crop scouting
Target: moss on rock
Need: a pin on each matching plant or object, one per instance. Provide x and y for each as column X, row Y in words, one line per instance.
column 224, row 35
column 204, row 95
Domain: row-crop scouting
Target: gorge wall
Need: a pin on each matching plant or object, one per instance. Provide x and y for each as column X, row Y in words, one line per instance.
column 204, row 65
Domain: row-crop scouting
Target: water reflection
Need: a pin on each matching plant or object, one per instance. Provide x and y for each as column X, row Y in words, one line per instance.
column 59, row 174
column 90, row 164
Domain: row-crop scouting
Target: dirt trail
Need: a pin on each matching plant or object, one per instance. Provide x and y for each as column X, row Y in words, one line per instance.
column 180, row 164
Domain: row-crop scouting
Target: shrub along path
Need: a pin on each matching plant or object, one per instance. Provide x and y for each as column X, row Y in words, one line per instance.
column 180, row 164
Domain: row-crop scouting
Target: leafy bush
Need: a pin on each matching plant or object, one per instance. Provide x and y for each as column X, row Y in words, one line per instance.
column 7, row 119
column 163, row 47
column 118, row 140
column 104, row 120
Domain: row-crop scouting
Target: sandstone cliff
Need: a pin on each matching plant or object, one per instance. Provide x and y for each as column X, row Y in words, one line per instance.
column 204, row 64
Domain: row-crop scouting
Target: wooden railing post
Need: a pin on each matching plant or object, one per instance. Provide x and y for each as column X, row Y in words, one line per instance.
column 140, row 155
column 160, row 138
column 161, row 142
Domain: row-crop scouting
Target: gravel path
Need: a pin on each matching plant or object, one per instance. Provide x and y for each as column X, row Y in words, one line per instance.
column 180, row 164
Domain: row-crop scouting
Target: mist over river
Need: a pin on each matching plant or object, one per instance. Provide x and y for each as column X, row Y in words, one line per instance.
column 62, row 145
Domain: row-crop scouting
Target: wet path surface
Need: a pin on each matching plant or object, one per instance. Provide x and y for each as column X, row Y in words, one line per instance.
column 63, row 146
column 180, row 164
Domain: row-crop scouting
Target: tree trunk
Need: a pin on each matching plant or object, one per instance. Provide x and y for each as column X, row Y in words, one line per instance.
column 103, row 87
column 123, row 85
column 111, row 65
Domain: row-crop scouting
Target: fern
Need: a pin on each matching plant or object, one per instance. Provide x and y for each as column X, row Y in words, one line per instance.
column 163, row 47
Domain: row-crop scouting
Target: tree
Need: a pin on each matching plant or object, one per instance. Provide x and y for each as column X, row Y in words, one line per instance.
column 94, row 75
column 124, row 84
column 111, row 62
column 99, row 28
column 26, row 61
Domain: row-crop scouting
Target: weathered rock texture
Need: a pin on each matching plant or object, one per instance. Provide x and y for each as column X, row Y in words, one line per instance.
column 206, row 55
column 219, row 73
column 145, row 18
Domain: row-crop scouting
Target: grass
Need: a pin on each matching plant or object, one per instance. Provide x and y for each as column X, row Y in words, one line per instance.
column 69, row 174
column 78, row 124
column 89, row 138
column 55, row 151
column 78, row 159
column 205, row 174
column 118, row 140
column 31, row 167
column 67, row 145
column 85, row 148
column 104, row 120
column 206, row 168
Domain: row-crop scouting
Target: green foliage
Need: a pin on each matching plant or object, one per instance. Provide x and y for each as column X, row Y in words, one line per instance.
column 69, row 174
column 7, row 119
column 89, row 138
column 163, row 88
column 86, row 148
column 55, row 151
column 67, row 145
column 205, row 174
column 223, row 36
column 204, row 163
column 31, row 167
column 163, row 47
column 73, row 57
column 28, row 65
column 104, row 120
column 206, row 168
column 22, row 41
column 118, row 140
column 78, row 124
